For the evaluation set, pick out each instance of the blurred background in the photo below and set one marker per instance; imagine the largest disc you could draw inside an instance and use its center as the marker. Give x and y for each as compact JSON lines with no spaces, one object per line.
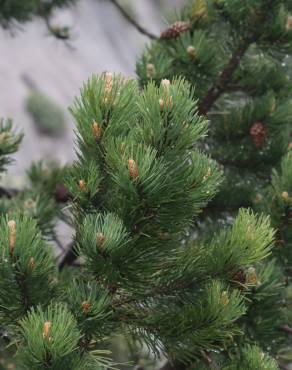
{"x":40,"y":75}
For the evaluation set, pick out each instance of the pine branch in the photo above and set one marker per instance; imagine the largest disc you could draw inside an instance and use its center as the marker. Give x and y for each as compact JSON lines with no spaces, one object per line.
{"x":220,"y":86}
{"x":225,"y":77}
{"x":133,"y":22}
{"x":287,"y":329}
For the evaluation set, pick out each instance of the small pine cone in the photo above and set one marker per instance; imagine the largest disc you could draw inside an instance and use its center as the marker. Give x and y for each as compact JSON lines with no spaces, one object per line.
{"x":133,"y":169}
{"x":175,"y":30}
{"x":258,"y":133}
{"x":85,"y":307}
{"x":240,"y":277}
{"x":96,"y":130}
{"x":61,"y":193}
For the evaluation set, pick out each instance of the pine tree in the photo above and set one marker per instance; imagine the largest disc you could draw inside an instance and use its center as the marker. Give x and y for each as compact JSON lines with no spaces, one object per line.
{"x":236,"y":55}
{"x":137,"y":186}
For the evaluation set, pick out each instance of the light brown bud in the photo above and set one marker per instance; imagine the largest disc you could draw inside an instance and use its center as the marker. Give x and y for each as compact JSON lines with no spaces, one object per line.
{"x":224,"y":299}
{"x":133,"y":169}
{"x":251,"y":276}
{"x":100,"y":238}
{"x":5,"y":136}
{"x":12,"y":235}
{"x":96,"y":130}
{"x":108,"y":78}
{"x":191,"y":50}
{"x":290,"y":146}
{"x":85,"y":307}
{"x":167,"y":103}
{"x":208,"y":174}
{"x":150,"y":70}
{"x":289,"y":23}
{"x":285,"y":196}
{"x":82,"y":185}
{"x":46,"y":331}
{"x":258,"y":198}
{"x":165,"y":84}
{"x":31,"y":264}
{"x":122,"y":148}
{"x":273,"y":106}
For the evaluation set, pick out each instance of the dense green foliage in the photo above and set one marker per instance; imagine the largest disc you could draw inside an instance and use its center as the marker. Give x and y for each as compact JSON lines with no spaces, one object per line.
{"x":137,"y":186}
{"x":236,"y":56}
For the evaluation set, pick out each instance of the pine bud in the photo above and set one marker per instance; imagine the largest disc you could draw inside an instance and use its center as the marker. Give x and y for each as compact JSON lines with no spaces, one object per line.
{"x":285,"y":196}
{"x":133,"y":169}
{"x":191,"y":50}
{"x":46,"y":331}
{"x":165,"y":84}
{"x":251,"y":276}
{"x":108,"y":79}
{"x":31,"y":264}
{"x":258,"y":198}
{"x":208,"y":174}
{"x":289,"y":23}
{"x":200,"y":10}
{"x":122,"y":148}
{"x":12,"y":235}
{"x":85,"y":307}
{"x":82,"y":185}
{"x":96,"y":130}
{"x":224,"y":298}
{"x":273,"y":106}
{"x":167,"y":103}
{"x":150,"y":69}
{"x":100,"y":238}
{"x":5,"y":137}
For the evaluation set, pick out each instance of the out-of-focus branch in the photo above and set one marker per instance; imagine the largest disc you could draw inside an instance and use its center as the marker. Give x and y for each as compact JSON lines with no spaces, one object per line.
{"x":133,"y":22}
{"x":287,"y":329}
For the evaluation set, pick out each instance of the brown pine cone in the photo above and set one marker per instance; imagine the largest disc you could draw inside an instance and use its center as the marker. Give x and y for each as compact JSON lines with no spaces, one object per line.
{"x":258,"y":133}
{"x":240,"y":277}
{"x":61,"y":193}
{"x":175,"y":30}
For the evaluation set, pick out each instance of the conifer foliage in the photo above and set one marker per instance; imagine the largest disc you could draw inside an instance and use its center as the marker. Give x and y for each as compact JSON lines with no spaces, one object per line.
{"x":236,"y":56}
{"x":137,"y":186}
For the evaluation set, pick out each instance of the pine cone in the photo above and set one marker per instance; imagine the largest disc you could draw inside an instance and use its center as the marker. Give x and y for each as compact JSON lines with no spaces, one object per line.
{"x":61,"y":194}
{"x":240,"y":277}
{"x":175,"y":30}
{"x":258,"y":133}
